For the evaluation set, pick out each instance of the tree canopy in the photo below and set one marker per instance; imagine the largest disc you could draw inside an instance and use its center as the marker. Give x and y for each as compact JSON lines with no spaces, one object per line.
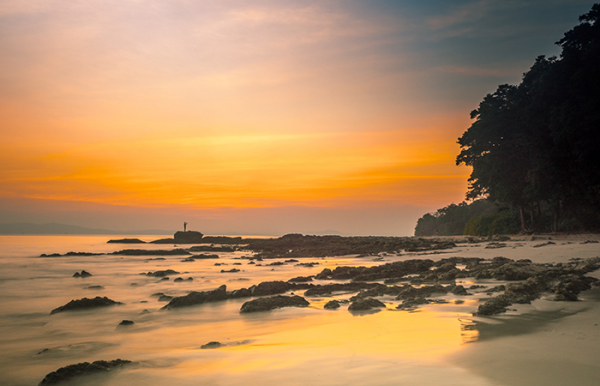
{"x":534,"y":146}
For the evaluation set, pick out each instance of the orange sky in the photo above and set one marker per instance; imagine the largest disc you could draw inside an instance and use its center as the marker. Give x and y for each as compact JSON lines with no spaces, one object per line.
{"x":232,"y":105}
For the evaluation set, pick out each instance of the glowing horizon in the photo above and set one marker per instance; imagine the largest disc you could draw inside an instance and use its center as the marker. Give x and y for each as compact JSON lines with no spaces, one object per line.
{"x":229,"y":105}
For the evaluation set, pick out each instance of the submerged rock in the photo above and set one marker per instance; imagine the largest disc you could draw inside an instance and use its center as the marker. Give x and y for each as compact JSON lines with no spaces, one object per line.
{"x":81,"y":369}
{"x":85,"y":303}
{"x":194,"y":298}
{"x":332,"y":305}
{"x":365,"y":304}
{"x":210,"y":345}
{"x":271,"y":303}
{"x":126,"y":323}
{"x":82,"y":274}
{"x":161,"y":273}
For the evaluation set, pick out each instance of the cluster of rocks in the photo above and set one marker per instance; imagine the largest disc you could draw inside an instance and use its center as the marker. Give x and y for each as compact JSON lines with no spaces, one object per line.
{"x":81,"y":369}
{"x":297,"y":245}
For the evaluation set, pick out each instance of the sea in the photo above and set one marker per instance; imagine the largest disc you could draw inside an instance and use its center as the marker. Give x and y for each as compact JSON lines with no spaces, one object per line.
{"x":288,"y":346}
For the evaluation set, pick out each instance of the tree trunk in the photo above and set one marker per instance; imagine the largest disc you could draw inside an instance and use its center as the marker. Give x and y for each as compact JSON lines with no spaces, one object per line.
{"x":522,"y":219}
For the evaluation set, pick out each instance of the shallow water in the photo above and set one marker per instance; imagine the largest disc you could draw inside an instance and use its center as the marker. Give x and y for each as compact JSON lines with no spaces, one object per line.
{"x":291,"y":346}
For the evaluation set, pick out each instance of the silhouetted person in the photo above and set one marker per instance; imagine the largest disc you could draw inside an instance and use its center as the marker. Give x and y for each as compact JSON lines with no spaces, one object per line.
{"x":184,"y":226}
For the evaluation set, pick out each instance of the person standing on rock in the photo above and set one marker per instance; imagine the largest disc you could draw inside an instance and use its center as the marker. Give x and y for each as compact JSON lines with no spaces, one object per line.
{"x":184,"y":226}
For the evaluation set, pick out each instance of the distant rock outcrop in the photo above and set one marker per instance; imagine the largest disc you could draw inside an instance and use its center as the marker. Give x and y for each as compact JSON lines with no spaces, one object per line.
{"x":126,"y":241}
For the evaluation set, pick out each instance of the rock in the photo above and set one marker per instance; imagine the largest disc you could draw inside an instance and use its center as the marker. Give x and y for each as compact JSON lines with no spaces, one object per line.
{"x":365,"y":304}
{"x":332,"y":305}
{"x":189,"y":237}
{"x":81,"y":369}
{"x":459,"y":290}
{"x":194,"y":298}
{"x":164,"y":279}
{"x":270,"y":288}
{"x":205,"y":256}
{"x":412,"y":303}
{"x":126,"y":323}
{"x":84,"y":304}
{"x":590,"y":242}
{"x":95,"y":287}
{"x":271,"y":303}
{"x":146,"y":252}
{"x":144,"y":312}
{"x":544,"y":244}
{"x":126,"y":241}
{"x":210,"y":345}
{"x":494,"y":306}
{"x":301,"y":279}
{"x":495,"y":245}
{"x":240,"y":293}
{"x":232,"y":270}
{"x":178,"y":279}
{"x":188,"y":260}
{"x":82,"y":274}
{"x":165,"y":298}
{"x":162,"y":273}
{"x":211,"y":248}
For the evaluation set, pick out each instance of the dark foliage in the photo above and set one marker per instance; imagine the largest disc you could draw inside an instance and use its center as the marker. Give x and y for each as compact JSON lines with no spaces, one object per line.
{"x":534,"y":146}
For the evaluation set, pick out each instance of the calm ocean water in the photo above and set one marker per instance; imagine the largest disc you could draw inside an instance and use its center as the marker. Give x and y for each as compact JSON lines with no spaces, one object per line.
{"x":289,"y":346}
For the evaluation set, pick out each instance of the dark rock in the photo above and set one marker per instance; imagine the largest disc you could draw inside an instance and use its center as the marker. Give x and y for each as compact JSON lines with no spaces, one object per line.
{"x":189,"y":237}
{"x":165,"y":298}
{"x":81,"y":369}
{"x":95,"y":287}
{"x":210,"y":345}
{"x":178,"y":279}
{"x":162,"y":273}
{"x":495,"y":245}
{"x":590,"y":242}
{"x":211,"y":248}
{"x":291,"y":261}
{"x":365,"y":304}
{"x":232,"y":270}
{"x":144,"y":312}
{"x":126,"y":241}
{"x":240,"y":293}
{"x":412,"y":303}
{"x":82,"y":274}
{"x":332,"y":305}
{"x":164,"y":279}
{"x":276,"y":263}
{"x":158,"y":252}
{"x":205,"y":256}
{"x":459,"y":290}
{"x":494,"y":306}
{"x":271,"y":303}
{"x":85,"y":303}
{"x":301,"y":279}
{"x":270,"y":288}
{"x":544,"y":244}
{"x":126,"y":323}
{"x":194,"y":298}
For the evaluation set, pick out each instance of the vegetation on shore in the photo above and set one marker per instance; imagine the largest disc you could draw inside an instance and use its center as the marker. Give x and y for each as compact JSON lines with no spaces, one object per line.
{"x":533,"y":147}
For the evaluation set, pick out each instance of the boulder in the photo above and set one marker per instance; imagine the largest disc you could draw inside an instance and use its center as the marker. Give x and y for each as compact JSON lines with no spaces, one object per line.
{"x":84,"y":304}
{"x":365,"y":304}
{"x":332,"y":305}
{"x":126,"y":323}
{"x":273,"y":302}
{"x":194,"y":298}
{"x":270,"y":288}
{"x":81,"y":369}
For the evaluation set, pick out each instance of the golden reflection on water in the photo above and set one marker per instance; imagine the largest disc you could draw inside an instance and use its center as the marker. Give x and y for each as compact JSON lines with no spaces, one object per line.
{"x":385,"y":336}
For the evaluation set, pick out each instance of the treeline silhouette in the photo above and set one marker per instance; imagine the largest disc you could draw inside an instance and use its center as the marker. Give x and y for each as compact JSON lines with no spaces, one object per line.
{"x":535,"y":147}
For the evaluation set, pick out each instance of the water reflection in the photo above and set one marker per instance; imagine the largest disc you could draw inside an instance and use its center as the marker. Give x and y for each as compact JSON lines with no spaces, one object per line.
{"x":290,"y":346}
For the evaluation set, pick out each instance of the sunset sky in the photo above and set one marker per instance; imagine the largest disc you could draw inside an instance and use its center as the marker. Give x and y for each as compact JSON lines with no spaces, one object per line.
{"x":251,"y":117}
